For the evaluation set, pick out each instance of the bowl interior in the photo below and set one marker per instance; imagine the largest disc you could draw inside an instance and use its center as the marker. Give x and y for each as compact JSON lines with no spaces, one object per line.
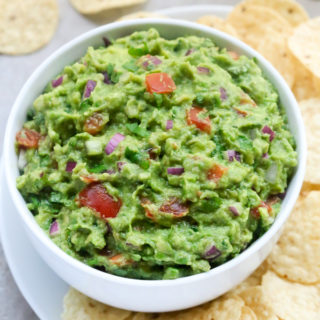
{"x":170,"y":29}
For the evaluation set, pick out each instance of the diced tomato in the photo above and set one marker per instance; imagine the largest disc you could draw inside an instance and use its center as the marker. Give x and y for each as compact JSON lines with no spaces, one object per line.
{"x":175,"y":207}
{"x":120,"y":260}
{"x":255,"y":211}
{"x":193,"y":118}
{"x":96,"y":197}
{"x":273,"y":200}
{"x":27,"y":138}
{"x":89,"y":179}
{"x":233,"y":55}
{"x":94,"y":124}
{"x":144,"y":203}
{"x":160,"y":83}
{"x":245,"y":99}
{"x":216,"y":173}
{"x":240,"y":112}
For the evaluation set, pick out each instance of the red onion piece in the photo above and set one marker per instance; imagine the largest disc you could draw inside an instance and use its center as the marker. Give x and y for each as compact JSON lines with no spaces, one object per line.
{"x":54,"y":228}
{"x":151,"y":59}
{"x":155,"y":60}
{"x":203,"y":70}
{"x":145,"y":64}
{"x":223,"y":94}
{"x":169,"y":124}
{"x":212,"y":253}
{"x":91,"y":84}
{"x":282,"y":195}
{"x":265,"y":155}
{"x":110,"y":171}
{"x":114,"y":141}
{"x":56,"y":83}
{"x":233,"y":155}
{"x":70,"y":166}
{"x":106,"y":79}
{"x":176,"y":171}
{"x":269,"y":131}
{"x":234,"y":210}
{"x":120,"y":165}
{"x":106,"y":41}
{"x":190,"y":51}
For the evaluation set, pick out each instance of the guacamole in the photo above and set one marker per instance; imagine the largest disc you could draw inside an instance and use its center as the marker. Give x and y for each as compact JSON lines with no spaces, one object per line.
{"x":156,"y":159}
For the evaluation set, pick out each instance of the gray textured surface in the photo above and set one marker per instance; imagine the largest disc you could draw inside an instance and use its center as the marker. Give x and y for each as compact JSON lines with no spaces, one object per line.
{"x":13,"y":73}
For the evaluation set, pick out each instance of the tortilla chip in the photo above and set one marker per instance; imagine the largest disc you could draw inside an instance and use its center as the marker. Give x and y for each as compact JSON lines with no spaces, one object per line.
{"x":200,"y":312}
{"x":77,"y":306}
{"x":96,"y":6}
{"x":26,"y":25}
{"x":254,"y":298}
{"x":254,"y":279}
{"x":307,"y":187}
{"x":218,"y":23}
{"x":141,"y":15}
{"x":289,"y":300}
{"x":297,"y":254}
{"x":253,"y":23}
{"x":143,"y":316}
{"x":275,"y":49}
{"x":227,"y":307}
{"x":306,"y":86}
{"x":311,"y":115}
{"x":290,"y":10}
{"x":305,"y":45}
{"x":248,"y":314}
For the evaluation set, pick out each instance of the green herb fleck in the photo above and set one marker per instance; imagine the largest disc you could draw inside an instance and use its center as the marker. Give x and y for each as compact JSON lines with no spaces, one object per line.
{"x":137,"y":158}
{"x":130,"y":66}
{"x":139,"y":51}
{"x":136,"y":129}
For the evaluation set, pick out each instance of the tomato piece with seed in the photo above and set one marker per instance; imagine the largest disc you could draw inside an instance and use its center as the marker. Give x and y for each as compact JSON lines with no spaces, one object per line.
{"x":240,"y":112}
{"x":193,"y":118}
{"x":255,"y":211}
{"x":175,"y":207}
{"x":95,"y":196}
{"x":94,"y":124}
{"x":160,"y":83}
{"x":216,"y":173}
{"x":246,"y":99}
{"x":89,"y":179}
{"x":233,"y":55}
{"x":144,"y":203}
{"x":120,"y":260}
{"x":27,"y":138}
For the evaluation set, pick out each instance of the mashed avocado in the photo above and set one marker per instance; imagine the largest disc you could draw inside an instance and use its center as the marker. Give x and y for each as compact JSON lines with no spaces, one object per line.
{"x":156,"y":159}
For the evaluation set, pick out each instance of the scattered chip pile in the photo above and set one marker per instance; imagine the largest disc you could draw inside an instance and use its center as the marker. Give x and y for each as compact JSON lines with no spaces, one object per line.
{"x":287,"y":285}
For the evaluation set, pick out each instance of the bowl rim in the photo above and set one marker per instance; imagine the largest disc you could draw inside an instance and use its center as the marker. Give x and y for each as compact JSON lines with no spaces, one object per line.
{"x":30,"y":222}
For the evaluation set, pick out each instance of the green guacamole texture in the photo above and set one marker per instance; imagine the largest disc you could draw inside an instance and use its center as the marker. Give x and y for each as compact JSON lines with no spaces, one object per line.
{"x":190,"y":199}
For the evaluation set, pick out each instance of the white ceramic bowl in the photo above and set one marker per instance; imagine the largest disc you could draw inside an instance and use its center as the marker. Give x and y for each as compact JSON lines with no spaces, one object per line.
{"x":147,"y":295}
